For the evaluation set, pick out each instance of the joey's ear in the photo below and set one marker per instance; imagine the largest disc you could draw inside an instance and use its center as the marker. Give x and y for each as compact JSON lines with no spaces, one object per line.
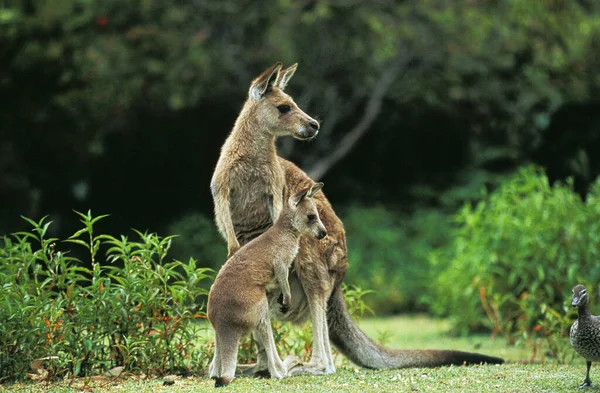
{"x":314,"y":189}
{"x":286,"y":75}
{"x":298,"y":197}
{"x":264,"y":81}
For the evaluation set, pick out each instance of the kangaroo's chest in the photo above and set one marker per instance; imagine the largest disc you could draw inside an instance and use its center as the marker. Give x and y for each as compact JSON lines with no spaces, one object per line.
{"x":252,"y":190}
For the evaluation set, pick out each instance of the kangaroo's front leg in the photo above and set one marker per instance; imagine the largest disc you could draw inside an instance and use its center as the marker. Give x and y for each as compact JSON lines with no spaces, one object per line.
{"x":275,"y":203}
{"x":281,"y":270}
{"x":264,"y":334}
{"x":223,"y":216}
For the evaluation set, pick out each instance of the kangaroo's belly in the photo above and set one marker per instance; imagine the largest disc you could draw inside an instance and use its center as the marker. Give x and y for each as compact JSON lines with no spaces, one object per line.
{"x":250,"y":217}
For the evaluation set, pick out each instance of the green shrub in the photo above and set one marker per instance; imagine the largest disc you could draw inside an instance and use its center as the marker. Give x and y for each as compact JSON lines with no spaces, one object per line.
{"x":515,"y":257}
{"x":132,"y":309}
{"x":389,"y":252}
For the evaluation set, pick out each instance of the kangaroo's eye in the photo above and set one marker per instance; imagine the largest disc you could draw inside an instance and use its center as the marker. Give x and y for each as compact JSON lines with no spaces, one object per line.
{"x":311,"y":217}
{"x":284,"y":108}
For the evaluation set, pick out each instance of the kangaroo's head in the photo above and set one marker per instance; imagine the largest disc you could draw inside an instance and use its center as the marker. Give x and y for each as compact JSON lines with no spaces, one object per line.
{"x":305,"y":217}
{"x":580,"y":296}
{"x":276,"y":111}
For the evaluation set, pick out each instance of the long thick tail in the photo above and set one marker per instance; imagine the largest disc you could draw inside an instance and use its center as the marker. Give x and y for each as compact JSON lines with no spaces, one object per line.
{"x":358,"y":348}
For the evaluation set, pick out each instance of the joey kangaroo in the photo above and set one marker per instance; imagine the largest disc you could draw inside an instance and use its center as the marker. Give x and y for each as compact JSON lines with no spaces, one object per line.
{"x":248,"y":185}
{"x":237,"y":301}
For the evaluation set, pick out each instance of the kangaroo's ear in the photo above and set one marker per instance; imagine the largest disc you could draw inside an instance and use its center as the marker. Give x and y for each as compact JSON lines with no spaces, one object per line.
{"x":286,"y":75}
{"x":314,"y":189}
{"x":265,"y":81}
{"x":298,"y":197}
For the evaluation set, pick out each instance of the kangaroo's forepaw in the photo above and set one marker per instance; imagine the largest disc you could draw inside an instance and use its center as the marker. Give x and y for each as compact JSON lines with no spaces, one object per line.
{"x":284,"y":301}
{"x":232,"y":250}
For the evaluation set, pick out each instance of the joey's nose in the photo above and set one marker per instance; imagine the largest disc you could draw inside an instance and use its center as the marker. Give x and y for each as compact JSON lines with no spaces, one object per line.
{"x":321,"y":234}
{"x":314,"y":125}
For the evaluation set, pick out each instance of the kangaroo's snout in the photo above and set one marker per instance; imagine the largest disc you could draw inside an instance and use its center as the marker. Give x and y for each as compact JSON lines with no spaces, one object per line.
{"x":308,"y":131}
{"x":306,"y":134}
{"x":321,"y":234}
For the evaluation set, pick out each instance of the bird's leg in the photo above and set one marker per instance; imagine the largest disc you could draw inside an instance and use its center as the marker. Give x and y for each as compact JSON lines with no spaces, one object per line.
{"x":587,"y":383}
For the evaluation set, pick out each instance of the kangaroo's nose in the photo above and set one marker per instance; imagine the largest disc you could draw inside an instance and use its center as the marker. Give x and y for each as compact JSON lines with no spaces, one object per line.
{"x":314,"y":125}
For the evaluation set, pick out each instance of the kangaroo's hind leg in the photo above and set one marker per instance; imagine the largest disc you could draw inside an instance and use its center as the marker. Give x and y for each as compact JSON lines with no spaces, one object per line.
{"x":264,"y":334}
{"x":212,"y":368}
{"x":261,"y":368}
{"x":222,"y":368}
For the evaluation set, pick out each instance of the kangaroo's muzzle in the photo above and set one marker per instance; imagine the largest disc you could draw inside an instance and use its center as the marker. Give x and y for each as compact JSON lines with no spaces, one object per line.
{"x":308,"y":132}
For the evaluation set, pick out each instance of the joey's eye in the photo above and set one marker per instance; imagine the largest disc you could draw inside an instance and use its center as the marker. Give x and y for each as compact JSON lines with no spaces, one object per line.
{"x":284,"y":108}
{"x":311,"y":217}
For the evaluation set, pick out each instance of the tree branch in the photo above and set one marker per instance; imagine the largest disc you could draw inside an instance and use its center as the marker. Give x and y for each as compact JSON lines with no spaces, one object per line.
{"x":372,"y":110}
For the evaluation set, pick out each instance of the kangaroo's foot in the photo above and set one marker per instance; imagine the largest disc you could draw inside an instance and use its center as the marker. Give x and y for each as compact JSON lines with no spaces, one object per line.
{"x":313,"y":368}
{"x":277,"y":373}
{"x":255,"y":370}
{"x":222,"y":381}
{"x":290,"y":362}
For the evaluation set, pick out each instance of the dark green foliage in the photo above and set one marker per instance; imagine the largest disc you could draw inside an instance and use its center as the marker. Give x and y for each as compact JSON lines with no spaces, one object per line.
{"x":197,"y":237}
{"x":133,"y":308}
{"x":120,"y":87}
{"x":388,"y":253}
{"x":516,"y":255}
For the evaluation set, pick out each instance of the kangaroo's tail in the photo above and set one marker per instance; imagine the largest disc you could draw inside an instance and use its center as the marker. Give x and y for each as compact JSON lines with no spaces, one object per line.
{"x":361,"y":350}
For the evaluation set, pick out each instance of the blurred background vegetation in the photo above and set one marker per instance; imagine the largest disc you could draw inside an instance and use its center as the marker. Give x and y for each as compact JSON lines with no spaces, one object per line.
{"x":430,"y":110}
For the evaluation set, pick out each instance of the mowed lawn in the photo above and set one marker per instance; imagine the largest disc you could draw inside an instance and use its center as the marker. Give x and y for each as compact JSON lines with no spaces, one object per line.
{"x":399,"y":332}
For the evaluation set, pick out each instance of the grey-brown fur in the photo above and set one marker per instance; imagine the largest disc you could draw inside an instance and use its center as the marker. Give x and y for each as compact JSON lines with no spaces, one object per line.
{"x":585,"y":331}
{"x":248,"y":156}
{"x":249,"y":166}
{"x":237,"y":301}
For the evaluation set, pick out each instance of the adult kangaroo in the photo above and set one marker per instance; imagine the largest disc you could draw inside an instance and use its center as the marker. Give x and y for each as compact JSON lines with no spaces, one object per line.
{"x":248,"y":186}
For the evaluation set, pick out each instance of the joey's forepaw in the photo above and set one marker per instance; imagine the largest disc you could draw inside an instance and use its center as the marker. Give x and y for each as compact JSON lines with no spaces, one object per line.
{"x":284,"y":301}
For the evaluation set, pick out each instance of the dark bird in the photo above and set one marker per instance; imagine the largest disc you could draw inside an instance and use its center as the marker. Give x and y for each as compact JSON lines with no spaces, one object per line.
{"x":585,"y":332}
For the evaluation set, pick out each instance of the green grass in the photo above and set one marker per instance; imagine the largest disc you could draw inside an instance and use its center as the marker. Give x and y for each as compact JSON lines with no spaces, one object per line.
{"x":421,"y":331}
{"x":402,"y":332}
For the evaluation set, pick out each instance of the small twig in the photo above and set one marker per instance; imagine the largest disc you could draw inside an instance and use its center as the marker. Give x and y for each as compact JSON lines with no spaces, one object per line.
{"x":372,"y":110}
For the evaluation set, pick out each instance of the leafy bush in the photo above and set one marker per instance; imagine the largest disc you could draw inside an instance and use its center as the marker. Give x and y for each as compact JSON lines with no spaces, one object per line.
{"x":87,"y":320}
{"x":132,"y":310}
{"x":389,"y":251}
{"x":515,"y":257}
